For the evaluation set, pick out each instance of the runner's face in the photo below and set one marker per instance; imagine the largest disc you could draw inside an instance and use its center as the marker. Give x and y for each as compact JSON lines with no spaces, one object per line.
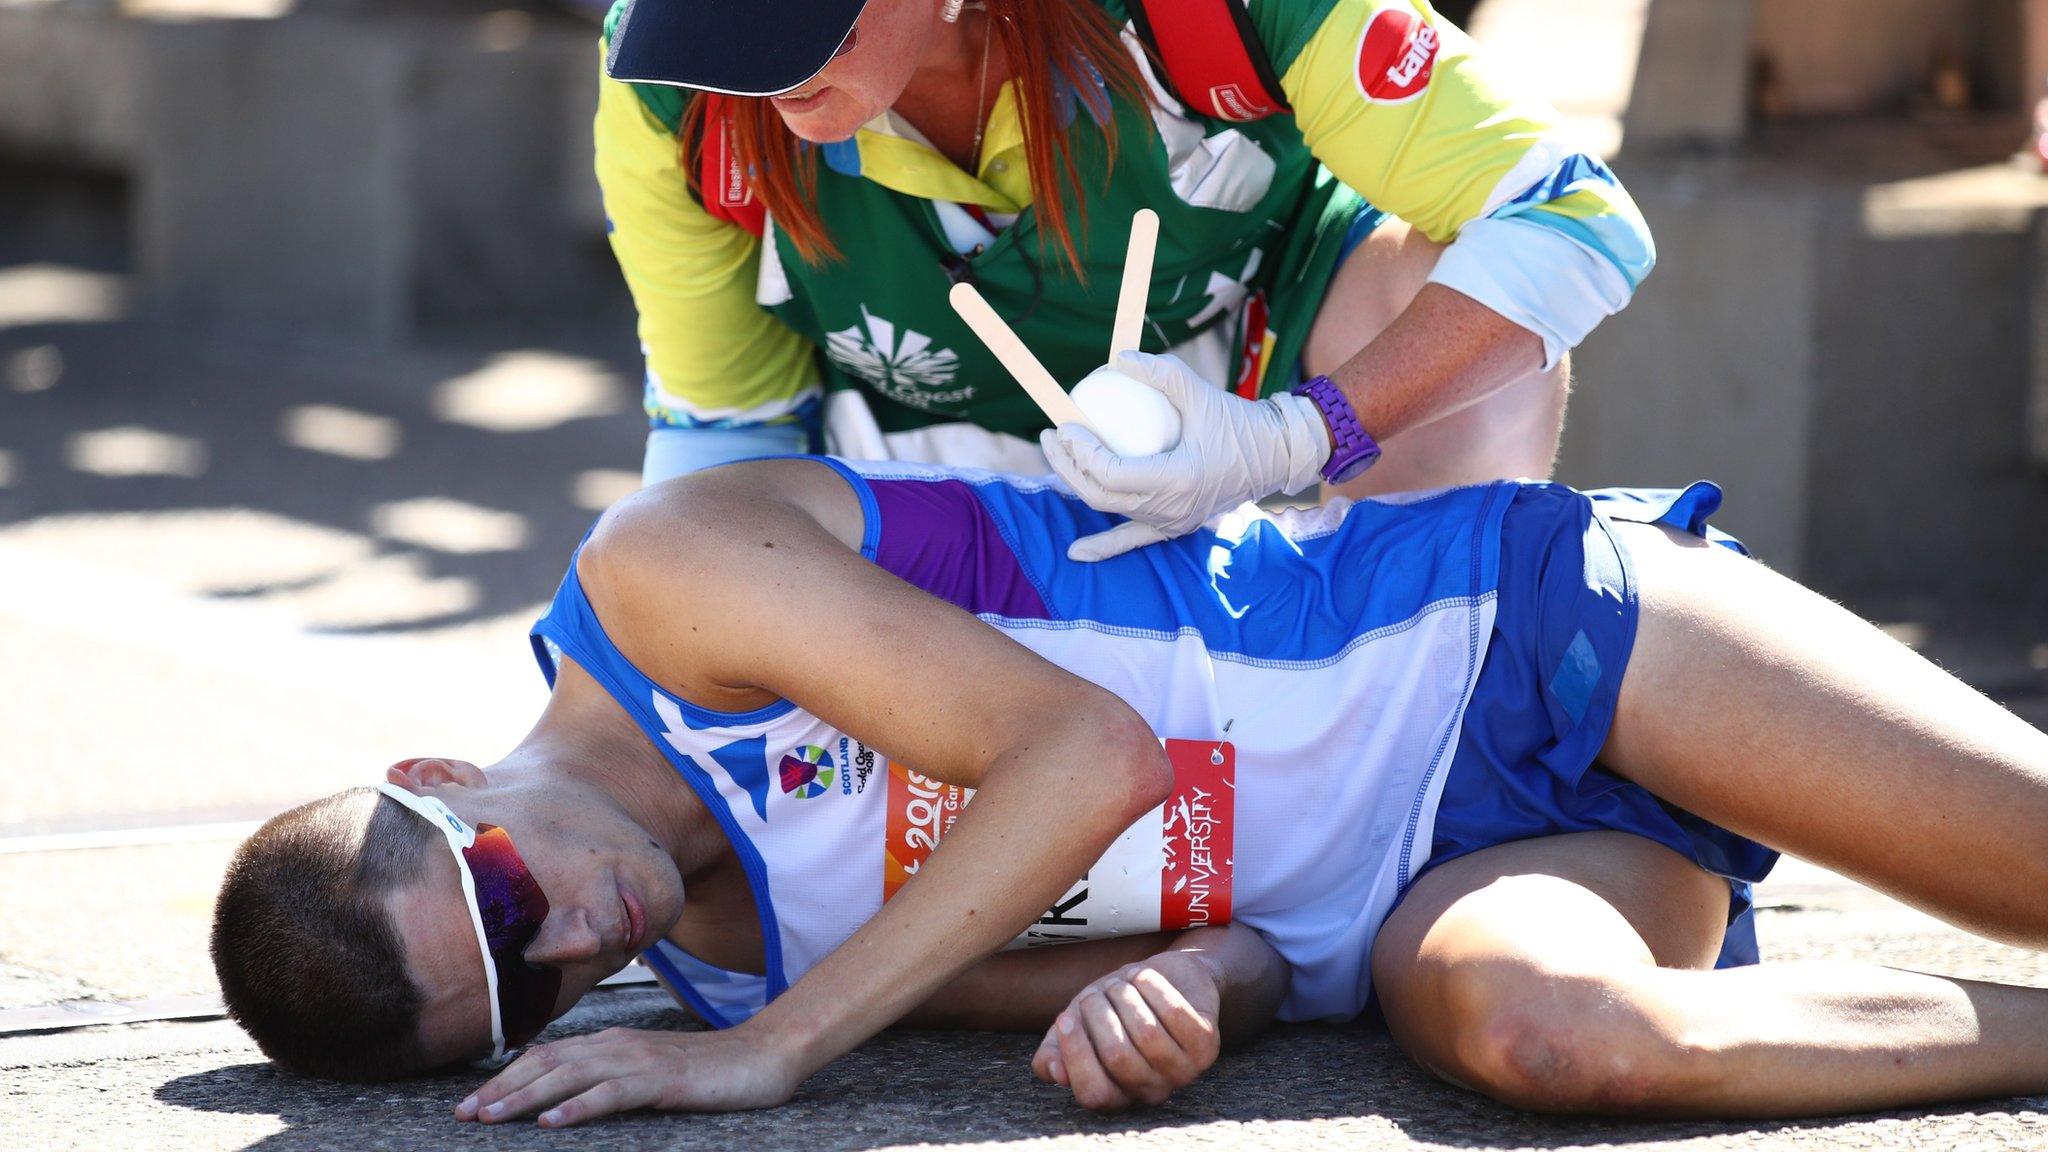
{"x":890,"y":40}
{"x":611,"y":893}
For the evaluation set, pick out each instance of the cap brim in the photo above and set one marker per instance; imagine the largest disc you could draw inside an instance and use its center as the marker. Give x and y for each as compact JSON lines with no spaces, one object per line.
{"x":737,"y":47}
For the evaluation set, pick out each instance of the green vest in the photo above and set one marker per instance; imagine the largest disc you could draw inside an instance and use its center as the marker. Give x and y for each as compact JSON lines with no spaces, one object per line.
{"x":879,"y":314}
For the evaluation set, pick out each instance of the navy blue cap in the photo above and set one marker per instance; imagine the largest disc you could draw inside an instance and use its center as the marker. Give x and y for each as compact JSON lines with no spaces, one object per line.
{"x":738,"y":47}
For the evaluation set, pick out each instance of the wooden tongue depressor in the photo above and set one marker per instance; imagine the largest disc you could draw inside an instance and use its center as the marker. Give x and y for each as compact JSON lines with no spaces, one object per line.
{"x":1003,"y":342}
{"x":1130,"y":303}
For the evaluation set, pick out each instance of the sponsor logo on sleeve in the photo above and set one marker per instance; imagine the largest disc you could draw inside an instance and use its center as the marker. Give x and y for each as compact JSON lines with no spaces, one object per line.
{"x":1397,"y":56}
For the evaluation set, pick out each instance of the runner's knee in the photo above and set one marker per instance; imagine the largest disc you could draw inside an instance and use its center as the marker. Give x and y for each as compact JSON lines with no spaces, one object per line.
{"x":1557,"y":1041}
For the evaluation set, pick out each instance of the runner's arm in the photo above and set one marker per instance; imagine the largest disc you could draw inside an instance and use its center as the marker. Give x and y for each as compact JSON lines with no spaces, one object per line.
{"x":780,"y":608}
{"x":1150,"y":1028}
{"x":1023,"y":990}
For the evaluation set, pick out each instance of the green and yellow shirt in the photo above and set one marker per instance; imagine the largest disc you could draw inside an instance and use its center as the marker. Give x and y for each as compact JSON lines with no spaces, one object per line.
{"x":1391,"y":105}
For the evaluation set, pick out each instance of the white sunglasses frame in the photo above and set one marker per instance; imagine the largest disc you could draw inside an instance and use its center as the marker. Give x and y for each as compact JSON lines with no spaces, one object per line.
{"x":460,"y":835}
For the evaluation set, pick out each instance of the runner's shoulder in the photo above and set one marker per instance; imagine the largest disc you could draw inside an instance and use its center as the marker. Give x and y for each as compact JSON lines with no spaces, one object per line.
{"x":710,"y":506}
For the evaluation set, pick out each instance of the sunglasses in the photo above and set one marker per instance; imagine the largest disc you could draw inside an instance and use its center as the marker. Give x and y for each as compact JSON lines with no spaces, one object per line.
{"x":507,"y":908}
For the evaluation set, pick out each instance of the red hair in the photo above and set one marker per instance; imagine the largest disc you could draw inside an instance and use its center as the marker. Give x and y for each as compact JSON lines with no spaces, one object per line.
{"x":1067,"y":40}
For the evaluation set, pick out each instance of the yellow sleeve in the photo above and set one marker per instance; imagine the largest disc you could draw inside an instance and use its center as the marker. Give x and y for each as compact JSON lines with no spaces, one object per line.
{"x":1400,"y":105}
{"x":713,"y":354}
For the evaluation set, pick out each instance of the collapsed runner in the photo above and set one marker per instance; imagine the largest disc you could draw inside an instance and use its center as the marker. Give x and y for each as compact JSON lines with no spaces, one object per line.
{"x":1272,"y":769}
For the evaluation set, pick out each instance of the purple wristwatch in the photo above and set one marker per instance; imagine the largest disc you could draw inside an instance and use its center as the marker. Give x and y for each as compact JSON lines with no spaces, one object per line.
{"x":1352,"y":448}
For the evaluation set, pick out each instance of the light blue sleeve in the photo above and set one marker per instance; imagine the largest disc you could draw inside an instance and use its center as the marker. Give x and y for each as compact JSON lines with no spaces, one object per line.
{"x":1556,"y":254}
{"x":673,"y":452}
{"x":1542,"y":279}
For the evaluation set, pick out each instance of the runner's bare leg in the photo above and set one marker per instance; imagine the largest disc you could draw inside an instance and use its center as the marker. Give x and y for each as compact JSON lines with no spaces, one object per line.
{"x":1565,"y":974}
{"x":1766,"y":708}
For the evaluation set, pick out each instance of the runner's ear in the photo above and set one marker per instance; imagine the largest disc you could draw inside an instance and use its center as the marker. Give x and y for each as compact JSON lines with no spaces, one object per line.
{"x":432,"y":772}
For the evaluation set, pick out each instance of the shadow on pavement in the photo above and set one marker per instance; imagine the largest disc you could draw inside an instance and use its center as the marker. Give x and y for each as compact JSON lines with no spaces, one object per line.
{"x":945,"y":1088}
{"x":454,"y":480}
{"x":145,"y":421}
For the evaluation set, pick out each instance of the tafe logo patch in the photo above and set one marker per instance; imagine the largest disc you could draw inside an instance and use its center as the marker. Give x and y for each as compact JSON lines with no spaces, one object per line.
{"x":1397,"y":56}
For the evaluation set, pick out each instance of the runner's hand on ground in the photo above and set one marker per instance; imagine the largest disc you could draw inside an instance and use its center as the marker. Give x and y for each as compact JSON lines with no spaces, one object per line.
{"x":1136,"y":1035}
{"x":1231,"y":450}
{"x":621,"y":1069}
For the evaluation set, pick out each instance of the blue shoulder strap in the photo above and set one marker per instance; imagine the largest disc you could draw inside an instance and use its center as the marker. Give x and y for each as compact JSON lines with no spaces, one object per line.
{"x":570,"y":627}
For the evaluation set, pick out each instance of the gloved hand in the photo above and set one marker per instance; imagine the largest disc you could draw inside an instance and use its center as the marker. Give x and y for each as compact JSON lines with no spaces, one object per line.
{"x":1231,"y":450}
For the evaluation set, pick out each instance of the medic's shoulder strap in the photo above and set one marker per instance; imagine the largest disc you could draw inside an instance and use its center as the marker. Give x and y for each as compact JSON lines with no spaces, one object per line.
{"x":721,"y":182}
{"x":1212,"y":57}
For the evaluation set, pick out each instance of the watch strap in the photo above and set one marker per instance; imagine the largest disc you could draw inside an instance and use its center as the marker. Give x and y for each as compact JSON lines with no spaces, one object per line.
{"x":1352,"y":448}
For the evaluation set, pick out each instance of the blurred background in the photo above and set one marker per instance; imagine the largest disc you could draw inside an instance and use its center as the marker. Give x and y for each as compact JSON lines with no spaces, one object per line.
{"x":314,"y":365}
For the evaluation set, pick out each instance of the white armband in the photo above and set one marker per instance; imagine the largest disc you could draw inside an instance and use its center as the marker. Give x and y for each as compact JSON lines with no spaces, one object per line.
{"x":1537,"y":277}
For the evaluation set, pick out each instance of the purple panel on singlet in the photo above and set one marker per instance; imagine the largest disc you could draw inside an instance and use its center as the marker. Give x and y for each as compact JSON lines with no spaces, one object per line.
{"x":937,"y":535}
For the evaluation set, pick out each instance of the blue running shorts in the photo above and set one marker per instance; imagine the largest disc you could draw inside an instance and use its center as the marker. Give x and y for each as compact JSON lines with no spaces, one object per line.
{"x":1526,"y":765}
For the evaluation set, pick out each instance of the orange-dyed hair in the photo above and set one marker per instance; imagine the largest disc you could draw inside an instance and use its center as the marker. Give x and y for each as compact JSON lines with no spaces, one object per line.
{"x":1072,"y":39}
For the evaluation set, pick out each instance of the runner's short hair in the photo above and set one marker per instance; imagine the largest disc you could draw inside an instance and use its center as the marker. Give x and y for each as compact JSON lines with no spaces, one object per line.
{"x":309,"y":960}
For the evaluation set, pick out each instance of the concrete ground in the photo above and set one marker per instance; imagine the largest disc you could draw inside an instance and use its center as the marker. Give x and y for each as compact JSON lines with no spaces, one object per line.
{"x":237,"y":572}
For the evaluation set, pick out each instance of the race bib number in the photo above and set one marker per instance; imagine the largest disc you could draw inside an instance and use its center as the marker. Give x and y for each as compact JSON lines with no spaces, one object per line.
{"x":1170,"y":870}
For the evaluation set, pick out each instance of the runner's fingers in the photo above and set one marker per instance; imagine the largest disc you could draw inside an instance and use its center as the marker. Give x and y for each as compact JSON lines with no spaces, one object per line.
{"x":1151,"y":1039}
{"x":1045,"y":1063}
{"x":1193,"y":1030}
{"x":531,"y":1065}
{"x":557,"y":1085}
{"x":1133,"y":1074}
{"x":1091,"y":1084}
{"x":621,"y":1095}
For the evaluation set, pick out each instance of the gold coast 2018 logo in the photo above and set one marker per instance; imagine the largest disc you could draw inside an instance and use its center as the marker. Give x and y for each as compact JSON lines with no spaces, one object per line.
{"x":900,"y":363}
{"x":807,"y":772}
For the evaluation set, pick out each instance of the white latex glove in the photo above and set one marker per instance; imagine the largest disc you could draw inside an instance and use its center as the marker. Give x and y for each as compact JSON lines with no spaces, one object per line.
{"x":1231,"y":450}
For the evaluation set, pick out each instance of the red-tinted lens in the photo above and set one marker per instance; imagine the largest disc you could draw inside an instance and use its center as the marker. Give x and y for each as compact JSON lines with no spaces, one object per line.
{"x":526,"y":997}
{"x":513,"y":908}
